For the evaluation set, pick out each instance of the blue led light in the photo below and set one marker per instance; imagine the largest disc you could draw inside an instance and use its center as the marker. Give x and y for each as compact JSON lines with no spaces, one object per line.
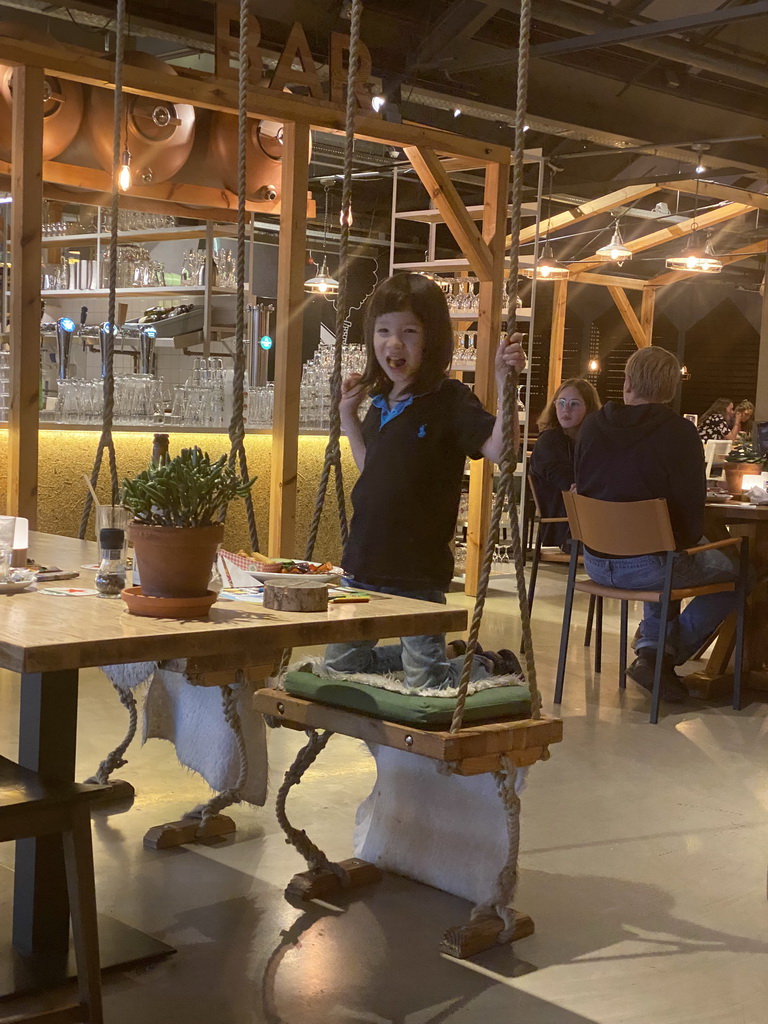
{"x":266,"y":343}
{"x":106,"y":327}
{"x":151,"y":332}
{"x":66,"y":324}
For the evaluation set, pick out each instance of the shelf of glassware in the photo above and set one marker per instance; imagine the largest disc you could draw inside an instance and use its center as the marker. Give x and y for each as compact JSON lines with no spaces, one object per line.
{"x":165,"y":428}
{"x":475,"y":212}
{"x":165,"y":291}
{"x":470,"y":316}
{"x":177,"y":234}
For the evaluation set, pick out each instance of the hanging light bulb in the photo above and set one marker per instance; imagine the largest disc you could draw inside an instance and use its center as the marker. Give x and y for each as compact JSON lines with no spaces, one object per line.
{"x":696,"y":259}
{"x":124,"y":177}
{"x":345,"y":216}
{"x":547,"y":268}
{"x":615,"y":249}
{"x":377,"y":102}
{"x":322,"y":283}
{"x":594,"y":366}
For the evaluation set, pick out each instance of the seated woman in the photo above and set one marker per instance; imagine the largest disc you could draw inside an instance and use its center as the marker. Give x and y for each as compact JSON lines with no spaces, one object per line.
{"x":745,"y":417}
{"x":552,"y":460}
{"x":720,"y":422}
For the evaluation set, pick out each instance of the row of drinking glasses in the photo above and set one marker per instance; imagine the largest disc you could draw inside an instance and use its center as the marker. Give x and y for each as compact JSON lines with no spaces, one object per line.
{"x":260,"y":407}
{"x":139,"y":399}
{"x":465,"y":350}
{"x":5,"y":384}
{"x":128,"y":220}
{"x":198,"y":405}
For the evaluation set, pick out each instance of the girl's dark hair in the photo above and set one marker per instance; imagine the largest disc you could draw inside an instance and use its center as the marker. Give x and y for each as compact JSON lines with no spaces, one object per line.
{"x":410,"y":293}
{"x":548,"y":419}
{"x":719,"y":407}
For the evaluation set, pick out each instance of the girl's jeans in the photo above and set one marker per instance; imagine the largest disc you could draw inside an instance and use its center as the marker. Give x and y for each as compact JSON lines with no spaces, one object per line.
{"x":422,"y":658}
{"x":686,"y":631}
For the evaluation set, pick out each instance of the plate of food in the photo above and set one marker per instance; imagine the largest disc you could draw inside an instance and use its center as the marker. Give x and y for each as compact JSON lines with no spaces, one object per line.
{"x":263,"y":568}
{"x":16,"y":581}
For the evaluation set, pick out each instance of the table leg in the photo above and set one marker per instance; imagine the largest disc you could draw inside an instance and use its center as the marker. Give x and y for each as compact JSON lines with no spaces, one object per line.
{"x":47,"y":743}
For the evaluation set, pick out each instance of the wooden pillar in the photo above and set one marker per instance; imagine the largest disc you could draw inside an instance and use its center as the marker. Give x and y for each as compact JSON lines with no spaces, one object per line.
{"x":488,"y":334}
{"x":289,"y":331}
{"x":26,"y":234}
{"x":761,"y":402}
{"x":557,"y":335}
{"x":647,"y":308}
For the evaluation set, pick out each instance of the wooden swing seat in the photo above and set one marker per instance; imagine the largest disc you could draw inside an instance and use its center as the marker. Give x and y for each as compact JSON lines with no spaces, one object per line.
{"x":474,"y":750}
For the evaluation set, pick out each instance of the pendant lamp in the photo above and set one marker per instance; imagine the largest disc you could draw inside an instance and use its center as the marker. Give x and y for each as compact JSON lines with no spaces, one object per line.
{"x":547,"y":268}
{"x":696,"y":259}
{"x":323,"y":283}
{"x":615,"y":249}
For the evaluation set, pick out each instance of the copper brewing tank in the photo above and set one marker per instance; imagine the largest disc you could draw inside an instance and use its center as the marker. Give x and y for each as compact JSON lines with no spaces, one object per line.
{"x":264,"y":153}
{"x":159,"y":134}
{"x":62,"y":113}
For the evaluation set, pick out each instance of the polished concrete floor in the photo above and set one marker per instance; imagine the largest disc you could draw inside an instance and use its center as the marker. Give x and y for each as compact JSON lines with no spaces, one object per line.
{"x":643,"y":864}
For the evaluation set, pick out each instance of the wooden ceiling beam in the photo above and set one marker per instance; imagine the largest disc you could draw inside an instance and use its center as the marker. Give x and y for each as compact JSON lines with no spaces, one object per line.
{"x":621,"y":197}
{"x":629,"y":317}
{"x":443,"y":194}
{"x":714,"y":190}
{"x":636,"y":284}
{"x":80,"y":65}
{"x":650,"y":241}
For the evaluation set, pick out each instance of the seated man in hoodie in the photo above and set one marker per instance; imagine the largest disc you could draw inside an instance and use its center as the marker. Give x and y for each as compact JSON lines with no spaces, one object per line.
{"x":639,"y":450}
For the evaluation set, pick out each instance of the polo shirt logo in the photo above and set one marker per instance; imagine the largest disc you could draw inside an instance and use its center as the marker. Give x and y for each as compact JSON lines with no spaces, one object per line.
{"x":422,"y":432}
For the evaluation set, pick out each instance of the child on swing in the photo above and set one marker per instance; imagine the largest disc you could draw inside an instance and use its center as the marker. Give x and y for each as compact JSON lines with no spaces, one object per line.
{"x":410,"y":449}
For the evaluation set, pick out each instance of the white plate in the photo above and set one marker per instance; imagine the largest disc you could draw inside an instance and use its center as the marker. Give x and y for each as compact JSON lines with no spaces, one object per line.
{"x":15,"y":588}
{"x":323,"y":577}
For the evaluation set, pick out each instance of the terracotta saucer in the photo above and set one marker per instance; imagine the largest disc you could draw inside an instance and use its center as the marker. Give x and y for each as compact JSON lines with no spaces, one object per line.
{"x":167,"y":607}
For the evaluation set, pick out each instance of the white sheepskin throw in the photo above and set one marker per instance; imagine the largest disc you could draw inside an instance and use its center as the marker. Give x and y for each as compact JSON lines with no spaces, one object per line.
{"x":192,"y":718}
{"x":447,"y":831}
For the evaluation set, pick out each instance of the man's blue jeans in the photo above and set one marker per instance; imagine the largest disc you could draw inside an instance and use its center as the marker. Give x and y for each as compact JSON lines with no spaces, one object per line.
{"x":686,"y":631}
{"x":422,"y":658}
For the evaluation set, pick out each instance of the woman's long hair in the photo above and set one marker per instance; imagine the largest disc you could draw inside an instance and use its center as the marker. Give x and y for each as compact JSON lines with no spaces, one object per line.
{"x":410,"y":293}
{"x":548,"y":419}
{"x":719,"y":407}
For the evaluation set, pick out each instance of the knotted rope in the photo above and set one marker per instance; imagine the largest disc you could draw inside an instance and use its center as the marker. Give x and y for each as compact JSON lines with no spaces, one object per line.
{"x":505,"y":491}
{"x":298,"y":838}
{"x":230,"y":696}
{"x":116,"y":758}
{"x":106,"y":441}
{"x":332,"y":459}
{"x":236,"y":425}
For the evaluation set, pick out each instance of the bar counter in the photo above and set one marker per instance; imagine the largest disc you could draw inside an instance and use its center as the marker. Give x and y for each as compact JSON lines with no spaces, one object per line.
{"x":66,"y":453}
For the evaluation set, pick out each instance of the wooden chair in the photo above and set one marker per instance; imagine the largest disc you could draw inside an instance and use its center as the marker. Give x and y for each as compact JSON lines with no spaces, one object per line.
{"x":31,"y":807}
{"x":561,"y":558}
{"x":634,"y":528}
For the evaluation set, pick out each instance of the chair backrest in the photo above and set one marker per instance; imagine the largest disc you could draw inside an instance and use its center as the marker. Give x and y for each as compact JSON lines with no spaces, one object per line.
{"x":534,"y":495}
{"x":620,"y":528}
{"x":714,"y":452}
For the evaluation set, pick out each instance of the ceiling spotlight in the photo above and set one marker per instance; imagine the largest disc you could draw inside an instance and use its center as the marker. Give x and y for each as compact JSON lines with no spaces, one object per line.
{"x":662,"y":209}
{"x":684,"y":372}
{"x":615,"y":249}
{"x":526,"y":127}
{"x":594,"y":366}
{"x":696,"y":259}
{"x":700,"y":168}
{"x":698,"y":150}
{"x":456,"y":112}
{"x":377,"y":102}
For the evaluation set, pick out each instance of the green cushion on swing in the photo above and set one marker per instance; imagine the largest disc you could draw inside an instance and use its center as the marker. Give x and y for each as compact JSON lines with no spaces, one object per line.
{"x":410,"y":708}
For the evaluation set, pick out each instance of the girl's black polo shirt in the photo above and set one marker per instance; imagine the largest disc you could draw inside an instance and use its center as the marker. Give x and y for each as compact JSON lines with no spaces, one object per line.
{"x":406,"y":500}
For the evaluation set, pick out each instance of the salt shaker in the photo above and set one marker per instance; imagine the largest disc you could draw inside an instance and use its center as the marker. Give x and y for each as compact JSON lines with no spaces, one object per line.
{"x":110,"y":578}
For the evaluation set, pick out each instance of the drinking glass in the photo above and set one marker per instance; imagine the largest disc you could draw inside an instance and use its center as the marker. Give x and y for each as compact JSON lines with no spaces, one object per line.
{"x":113,"y":517}
{"x":7,"y":530}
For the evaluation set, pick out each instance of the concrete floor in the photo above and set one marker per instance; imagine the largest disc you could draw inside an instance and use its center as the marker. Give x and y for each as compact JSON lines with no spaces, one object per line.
{"x":643,"y":865}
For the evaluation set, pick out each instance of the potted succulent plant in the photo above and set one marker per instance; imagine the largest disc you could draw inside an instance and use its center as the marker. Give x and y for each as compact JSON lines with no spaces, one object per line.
{"x":743,"y":458}
{"x":178,"y":510}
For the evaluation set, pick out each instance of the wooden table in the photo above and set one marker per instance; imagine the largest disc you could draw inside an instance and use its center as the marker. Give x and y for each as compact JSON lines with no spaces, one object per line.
{"x":715,"y":680}
{"x":48,"y":639}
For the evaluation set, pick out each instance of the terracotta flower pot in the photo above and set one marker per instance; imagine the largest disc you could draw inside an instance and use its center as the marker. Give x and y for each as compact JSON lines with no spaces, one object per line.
{"x":735,"y":473}
{"x":175,"y":562}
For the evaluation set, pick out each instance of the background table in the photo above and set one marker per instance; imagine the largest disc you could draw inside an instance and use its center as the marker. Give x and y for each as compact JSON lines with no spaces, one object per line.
{"x":721,"y":521}
{"x":48,"y":639}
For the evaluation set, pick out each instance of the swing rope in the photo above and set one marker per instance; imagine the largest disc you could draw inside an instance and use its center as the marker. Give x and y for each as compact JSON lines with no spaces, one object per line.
{"x":236,"y":426}
{"x":333,"y":449}
{"x":505,"y":491}
{"x":106,"y":441}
